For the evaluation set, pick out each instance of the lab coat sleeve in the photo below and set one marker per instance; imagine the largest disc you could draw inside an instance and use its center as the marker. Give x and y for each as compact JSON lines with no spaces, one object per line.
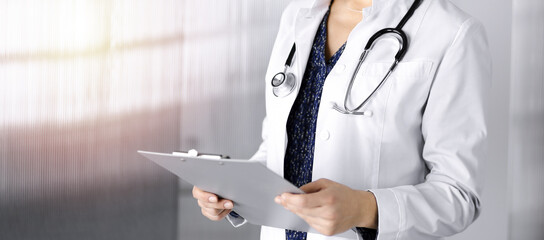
{"x":454,"y":133}
{"x":260,"y":155}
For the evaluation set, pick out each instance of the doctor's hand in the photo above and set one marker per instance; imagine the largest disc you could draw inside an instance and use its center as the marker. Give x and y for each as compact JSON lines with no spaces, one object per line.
{"x":332,"y":208}
{"x":212,"y":207}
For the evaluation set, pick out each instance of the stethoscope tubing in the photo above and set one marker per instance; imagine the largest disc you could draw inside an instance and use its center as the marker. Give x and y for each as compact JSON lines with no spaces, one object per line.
{"x":397,"y":32}
{"x":355,"y":110}
{"x":402,"y":39}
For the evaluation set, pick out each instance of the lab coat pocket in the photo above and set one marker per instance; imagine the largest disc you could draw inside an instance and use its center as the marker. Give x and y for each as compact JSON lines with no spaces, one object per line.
{"x":367,"y":81}
{"x":410,"y":84}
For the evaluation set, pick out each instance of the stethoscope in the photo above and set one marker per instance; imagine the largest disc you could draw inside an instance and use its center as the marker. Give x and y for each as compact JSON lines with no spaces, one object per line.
{"x":283,"y":83}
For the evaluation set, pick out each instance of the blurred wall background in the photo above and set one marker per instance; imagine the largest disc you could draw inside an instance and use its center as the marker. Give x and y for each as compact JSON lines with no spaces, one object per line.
{"x":227,"y":44}
{"x":84,"y":84}
{"x":526,"y":126}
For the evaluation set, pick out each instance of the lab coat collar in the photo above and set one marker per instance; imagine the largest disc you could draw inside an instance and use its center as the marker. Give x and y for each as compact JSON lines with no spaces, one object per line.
{"x":318,"y":5}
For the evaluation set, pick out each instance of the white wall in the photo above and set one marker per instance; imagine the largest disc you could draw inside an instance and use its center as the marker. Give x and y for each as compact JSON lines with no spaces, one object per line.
{"x":83,"y":85}
{"x":526,"y":151}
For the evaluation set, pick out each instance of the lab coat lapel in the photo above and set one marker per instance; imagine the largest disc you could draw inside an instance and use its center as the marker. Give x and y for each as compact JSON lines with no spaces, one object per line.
{"x":306,"y":24}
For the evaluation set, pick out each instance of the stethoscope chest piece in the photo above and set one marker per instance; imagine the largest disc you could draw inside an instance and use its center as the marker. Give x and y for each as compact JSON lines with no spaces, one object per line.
{"x":283,"y":84}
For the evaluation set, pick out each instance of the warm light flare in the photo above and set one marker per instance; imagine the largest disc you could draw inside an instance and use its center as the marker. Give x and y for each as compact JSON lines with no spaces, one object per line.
{"x":63,"y":61}
{"x":37,"y":26}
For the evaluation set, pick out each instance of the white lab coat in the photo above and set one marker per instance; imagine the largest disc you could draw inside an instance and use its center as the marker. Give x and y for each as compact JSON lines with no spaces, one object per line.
{"x":419,"y":147}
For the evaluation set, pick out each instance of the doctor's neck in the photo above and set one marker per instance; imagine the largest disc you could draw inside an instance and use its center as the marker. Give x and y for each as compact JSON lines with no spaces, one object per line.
{"x":354,"y":5}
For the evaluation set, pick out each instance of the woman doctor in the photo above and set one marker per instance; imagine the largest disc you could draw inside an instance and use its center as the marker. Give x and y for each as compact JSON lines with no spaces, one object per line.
{"x":404,"y":165}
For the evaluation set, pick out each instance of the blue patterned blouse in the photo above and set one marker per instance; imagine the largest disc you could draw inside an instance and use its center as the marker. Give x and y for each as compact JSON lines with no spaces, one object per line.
{"x":301,"y":124}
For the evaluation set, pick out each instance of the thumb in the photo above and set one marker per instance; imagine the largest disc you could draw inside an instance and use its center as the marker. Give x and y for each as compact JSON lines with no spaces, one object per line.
{"x":315,"y":186}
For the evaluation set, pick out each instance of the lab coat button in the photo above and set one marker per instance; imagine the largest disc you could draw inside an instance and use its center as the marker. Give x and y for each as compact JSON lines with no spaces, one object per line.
{"x":340,"y":68}
{"x":325,"y":135}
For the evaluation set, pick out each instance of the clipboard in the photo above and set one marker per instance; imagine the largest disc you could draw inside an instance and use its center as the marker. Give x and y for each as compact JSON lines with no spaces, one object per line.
{"x":249,"y":184}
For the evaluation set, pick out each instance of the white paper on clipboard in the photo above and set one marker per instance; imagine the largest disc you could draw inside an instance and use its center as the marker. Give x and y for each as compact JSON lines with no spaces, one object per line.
{"x":249,"y":184}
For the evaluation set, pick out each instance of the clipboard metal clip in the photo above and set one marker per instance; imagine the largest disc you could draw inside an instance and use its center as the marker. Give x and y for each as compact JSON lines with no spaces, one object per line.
{"x":195,"y":153}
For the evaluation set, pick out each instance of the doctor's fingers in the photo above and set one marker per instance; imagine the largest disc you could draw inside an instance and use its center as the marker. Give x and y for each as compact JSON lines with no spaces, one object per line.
{"x":215,"y":214}
{"x":308,"y":200}
{"x":222,"y":204}
{"x":325,"y":211}
{"x":211,"y":211}
{"x":211,"y":200}
{"x":324,"y":226}
{"x":316,"y":186}
{"x":202,"y":195}
{"x":316,"y":212}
